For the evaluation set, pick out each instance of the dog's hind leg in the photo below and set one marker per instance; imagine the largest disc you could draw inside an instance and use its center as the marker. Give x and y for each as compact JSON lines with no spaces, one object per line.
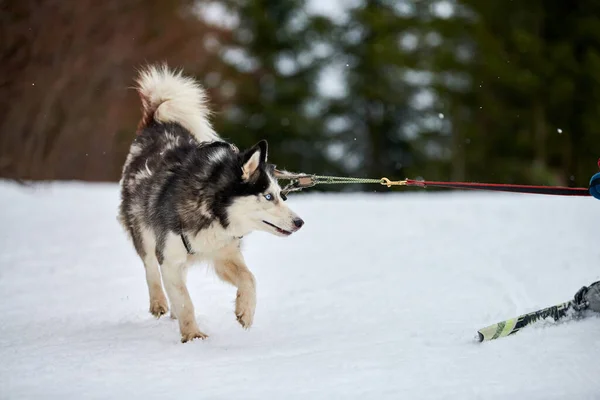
{"x":158,"y":300}
{"x":231,"y":267}
{"x":181,"y":303}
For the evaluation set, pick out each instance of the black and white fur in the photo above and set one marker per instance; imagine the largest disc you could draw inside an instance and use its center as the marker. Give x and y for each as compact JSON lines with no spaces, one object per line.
{"x":188,"y":196}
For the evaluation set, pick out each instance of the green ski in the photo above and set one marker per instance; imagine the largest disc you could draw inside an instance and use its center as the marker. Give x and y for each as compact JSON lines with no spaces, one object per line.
{"x":586,"y":298}
{"x":513,"y":325}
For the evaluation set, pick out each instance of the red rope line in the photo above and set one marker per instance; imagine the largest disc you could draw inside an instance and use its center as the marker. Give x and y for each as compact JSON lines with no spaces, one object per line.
{"x":550,"y":190}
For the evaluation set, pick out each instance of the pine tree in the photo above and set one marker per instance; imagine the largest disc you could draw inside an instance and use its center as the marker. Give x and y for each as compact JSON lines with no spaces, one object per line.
{"x":270,"y":76}
{"x":527,"y":112}
{"x":369,"y":122}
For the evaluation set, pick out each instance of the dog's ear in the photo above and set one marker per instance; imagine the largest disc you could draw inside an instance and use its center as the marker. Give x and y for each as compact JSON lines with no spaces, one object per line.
{"x":253,"y":158}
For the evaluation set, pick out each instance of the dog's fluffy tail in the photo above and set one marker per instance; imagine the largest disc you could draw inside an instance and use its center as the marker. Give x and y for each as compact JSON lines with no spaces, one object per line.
{"x":168,"y":96}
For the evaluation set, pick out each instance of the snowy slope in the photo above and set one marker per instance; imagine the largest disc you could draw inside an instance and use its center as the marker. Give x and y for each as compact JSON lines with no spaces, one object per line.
{"x":378,"y":297}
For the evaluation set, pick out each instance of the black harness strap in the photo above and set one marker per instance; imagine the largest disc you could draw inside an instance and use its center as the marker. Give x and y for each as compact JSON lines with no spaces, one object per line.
{"x":186,"y":243}
{"x":184,"y":239}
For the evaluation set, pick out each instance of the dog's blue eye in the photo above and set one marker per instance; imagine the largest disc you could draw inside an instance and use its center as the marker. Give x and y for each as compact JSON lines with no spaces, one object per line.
{"x":269,"y":196}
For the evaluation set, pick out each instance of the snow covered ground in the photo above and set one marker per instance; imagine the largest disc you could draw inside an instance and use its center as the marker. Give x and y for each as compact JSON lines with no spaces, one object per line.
{"x":379,"y":296}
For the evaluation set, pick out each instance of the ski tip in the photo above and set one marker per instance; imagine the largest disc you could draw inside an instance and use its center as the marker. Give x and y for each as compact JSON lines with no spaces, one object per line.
{"x":479,"y":337}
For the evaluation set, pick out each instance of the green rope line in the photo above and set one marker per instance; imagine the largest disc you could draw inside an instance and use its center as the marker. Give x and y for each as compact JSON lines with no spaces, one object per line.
{"x":320,"y":179}
{"x":303,"y":181}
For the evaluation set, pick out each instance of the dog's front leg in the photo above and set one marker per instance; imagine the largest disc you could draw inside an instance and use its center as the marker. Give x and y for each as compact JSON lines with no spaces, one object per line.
{"x":230,"y":267}
{"x":181,"y":303}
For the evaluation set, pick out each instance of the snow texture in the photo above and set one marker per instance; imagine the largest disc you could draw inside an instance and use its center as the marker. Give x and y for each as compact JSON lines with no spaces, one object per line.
{"x":379,"y":296}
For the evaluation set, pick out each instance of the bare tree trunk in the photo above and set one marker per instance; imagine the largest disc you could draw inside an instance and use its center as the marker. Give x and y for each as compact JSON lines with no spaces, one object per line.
{"x":540,"y":133}
{"x":459,"y":158}
{"x":66,"y":71}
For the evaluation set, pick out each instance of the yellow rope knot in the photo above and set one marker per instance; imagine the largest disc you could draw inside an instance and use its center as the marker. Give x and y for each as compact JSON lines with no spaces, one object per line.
{"x":388,"y":183}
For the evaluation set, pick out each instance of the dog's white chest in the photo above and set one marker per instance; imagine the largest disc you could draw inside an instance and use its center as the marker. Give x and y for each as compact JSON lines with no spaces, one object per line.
{"x":209,"y":241}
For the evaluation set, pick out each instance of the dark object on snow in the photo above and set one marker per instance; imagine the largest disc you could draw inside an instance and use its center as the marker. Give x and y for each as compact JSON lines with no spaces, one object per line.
{"x":595,"y":184}
{"x":586,"y":298}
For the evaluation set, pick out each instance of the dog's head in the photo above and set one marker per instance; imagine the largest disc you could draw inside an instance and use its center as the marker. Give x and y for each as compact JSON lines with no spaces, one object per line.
{"x":258,"y":204}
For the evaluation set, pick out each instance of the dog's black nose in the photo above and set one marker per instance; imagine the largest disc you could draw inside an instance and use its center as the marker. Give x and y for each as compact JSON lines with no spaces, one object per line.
{"x":298,"y":223}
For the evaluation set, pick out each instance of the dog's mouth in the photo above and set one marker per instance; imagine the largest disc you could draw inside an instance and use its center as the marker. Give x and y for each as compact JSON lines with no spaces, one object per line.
{"x":278,"y":229}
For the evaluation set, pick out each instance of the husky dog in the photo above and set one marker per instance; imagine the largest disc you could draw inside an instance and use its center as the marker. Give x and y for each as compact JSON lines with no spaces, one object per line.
{"x":188,"y":196}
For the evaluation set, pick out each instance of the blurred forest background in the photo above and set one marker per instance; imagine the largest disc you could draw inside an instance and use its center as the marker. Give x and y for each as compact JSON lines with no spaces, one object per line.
{"x":493,"y":91}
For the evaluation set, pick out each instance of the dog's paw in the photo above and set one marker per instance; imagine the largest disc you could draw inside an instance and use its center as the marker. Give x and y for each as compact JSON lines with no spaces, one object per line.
{"x":186,"y":337}
{"x":245,"y":320}
{"x":244,"y":310}
{"x":158,"y":308}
